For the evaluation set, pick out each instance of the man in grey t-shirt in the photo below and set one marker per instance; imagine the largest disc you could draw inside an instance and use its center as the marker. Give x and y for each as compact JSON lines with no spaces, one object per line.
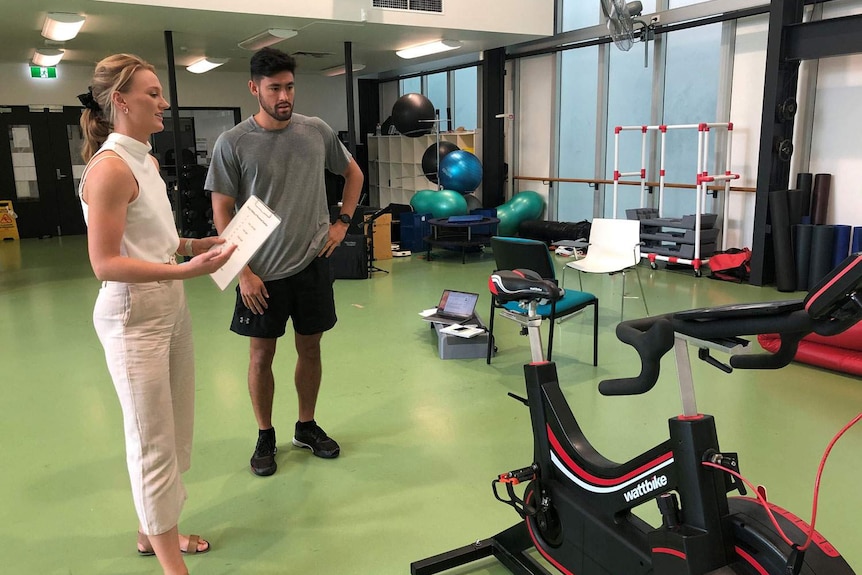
{"x":280,"y":157}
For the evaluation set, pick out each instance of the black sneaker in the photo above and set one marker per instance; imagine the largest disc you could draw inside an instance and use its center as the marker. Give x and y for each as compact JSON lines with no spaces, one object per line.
{"x":263,"y":459}
{"x":310,"y":436}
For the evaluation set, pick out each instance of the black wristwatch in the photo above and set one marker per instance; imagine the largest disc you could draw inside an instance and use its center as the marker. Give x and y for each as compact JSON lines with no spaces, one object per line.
{"x":345,"y":219}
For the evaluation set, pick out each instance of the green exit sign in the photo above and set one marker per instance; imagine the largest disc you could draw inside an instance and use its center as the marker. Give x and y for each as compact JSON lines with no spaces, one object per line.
{"x":40,"y":72}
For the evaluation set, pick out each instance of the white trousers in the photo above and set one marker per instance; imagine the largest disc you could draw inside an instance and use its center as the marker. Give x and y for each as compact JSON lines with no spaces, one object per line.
{"x":146,"y":331}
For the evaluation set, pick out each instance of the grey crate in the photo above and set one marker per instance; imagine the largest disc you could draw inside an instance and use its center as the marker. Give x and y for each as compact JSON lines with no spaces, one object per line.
{"x":454,"y":347}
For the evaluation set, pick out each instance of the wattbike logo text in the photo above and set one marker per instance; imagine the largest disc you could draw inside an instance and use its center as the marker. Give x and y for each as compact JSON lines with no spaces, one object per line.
{"x":645,"y":487}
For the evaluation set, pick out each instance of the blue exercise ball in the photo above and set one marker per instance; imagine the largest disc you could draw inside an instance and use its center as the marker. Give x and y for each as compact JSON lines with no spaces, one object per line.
{"x":430,"y":158}
{"x":413,"y":115}
{"x":460,"y":171}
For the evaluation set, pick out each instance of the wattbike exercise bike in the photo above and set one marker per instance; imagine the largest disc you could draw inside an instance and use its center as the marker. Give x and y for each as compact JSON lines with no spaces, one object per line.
{"x":577,"y":506}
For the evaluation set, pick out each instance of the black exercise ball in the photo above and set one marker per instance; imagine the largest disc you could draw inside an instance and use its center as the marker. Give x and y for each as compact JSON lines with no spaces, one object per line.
{"x":413,"y":115}
{"x":429,"y":158}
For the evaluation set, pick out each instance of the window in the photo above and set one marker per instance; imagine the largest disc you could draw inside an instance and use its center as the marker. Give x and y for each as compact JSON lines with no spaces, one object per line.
{"x":438,"y":93}
{"x":629,"y":104}
{"x":410,"y":86}
{"x":690,"y":97}
{"x":466,"y":92}
{"x":453,"y":93}
{"x":578,"y":105}
{"x":579,"y":14}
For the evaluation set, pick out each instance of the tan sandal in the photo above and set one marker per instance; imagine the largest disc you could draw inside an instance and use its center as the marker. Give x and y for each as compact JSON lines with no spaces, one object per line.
{"x":146,"y":550}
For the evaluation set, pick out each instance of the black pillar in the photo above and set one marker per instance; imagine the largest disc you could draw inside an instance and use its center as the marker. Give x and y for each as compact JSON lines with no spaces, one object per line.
{"x":175,"y":126}
{"x":351,"y":106}
{"x":776,"y":133}
{"x":493,"y":151}
{"x":369,"y":117}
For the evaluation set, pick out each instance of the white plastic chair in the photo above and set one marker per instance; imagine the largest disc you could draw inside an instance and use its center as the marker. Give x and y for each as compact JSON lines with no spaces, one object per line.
{"x":613,"y":247}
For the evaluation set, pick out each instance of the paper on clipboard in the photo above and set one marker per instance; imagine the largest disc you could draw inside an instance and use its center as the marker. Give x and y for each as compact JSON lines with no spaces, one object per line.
{"x":248,"y":229}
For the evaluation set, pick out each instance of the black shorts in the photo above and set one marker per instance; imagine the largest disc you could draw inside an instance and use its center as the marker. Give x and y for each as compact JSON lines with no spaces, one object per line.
{"x":306,"y":298}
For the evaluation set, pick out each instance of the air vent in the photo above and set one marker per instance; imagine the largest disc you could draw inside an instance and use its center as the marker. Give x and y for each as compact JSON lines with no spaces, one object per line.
{"x":435,"y":6}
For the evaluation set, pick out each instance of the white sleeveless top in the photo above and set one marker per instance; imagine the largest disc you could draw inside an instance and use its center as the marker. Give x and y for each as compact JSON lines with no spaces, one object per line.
{"x":150,"y":233}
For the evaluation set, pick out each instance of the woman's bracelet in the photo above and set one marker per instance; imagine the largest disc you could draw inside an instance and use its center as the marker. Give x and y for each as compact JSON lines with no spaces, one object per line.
{"x":189,"y":249}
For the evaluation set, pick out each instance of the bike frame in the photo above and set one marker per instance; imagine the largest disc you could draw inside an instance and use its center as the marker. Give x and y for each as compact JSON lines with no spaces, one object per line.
{"x":577,"y":508}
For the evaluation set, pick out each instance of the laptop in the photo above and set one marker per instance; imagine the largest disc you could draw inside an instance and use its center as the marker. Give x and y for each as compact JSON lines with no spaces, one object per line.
{"x":454,"y":307}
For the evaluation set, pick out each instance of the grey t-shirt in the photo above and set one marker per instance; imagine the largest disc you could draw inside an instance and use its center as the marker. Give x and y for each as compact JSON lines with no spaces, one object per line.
{"x":284,"y":169}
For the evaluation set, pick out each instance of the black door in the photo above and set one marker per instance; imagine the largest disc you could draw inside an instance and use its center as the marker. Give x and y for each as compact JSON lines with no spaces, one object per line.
{"x":40,"y":166}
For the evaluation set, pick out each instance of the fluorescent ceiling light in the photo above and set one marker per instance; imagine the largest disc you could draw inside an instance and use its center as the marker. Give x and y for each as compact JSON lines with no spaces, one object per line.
{"x":430,"y":48}
{"x":267,"y":38}
{"x":205,"y":65}
{"x":62,"y":26}
{"x":339,"y":70}
{"x":47,"y":57}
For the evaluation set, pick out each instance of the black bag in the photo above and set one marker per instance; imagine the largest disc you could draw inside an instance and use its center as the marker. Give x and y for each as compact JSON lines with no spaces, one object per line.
{"x":350,"y":259}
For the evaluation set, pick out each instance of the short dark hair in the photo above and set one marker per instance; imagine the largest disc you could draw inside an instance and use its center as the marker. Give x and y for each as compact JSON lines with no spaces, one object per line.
{"x":269,"y":62}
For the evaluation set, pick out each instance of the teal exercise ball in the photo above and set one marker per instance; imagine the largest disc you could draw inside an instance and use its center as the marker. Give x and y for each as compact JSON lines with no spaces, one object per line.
{"x":460,"y":171}
{"x":523,"y":206}
{"x":440,"y":204}
{"x":422,"y":201}
{"x":508,"y":225}
{"x":449,"y":203}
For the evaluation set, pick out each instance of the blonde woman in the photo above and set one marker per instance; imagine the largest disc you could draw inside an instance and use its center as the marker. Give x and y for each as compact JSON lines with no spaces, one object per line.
{"x":141,"y":316}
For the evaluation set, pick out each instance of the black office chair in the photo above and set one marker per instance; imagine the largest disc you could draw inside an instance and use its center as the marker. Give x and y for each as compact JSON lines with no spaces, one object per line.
{"x":520,"y":253}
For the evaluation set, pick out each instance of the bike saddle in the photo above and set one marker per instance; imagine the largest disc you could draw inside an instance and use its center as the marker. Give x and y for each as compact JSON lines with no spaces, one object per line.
{"x":522,"y":285}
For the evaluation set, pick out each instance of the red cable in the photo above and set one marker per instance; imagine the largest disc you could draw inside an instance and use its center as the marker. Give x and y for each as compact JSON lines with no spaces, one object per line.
{"x":820,"y":472}
{"x":820,"y":468}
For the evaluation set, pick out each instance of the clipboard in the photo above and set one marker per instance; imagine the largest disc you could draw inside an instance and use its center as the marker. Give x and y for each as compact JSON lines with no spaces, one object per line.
{"x":248,"y":229}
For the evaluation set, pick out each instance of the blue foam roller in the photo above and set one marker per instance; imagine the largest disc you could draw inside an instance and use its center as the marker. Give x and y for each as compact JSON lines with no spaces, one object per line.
{"x":857,"y":239}
{"x":842,"y":244}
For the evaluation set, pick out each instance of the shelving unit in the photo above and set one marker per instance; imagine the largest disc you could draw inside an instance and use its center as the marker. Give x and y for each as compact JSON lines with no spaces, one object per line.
{"x":395,"y":164}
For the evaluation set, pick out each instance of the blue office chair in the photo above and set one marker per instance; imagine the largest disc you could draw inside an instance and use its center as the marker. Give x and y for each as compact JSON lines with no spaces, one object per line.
{"x":520,"y":253}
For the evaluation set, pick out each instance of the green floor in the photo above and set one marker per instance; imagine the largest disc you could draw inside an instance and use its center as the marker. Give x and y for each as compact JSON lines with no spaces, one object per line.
{"x":421,"y":437}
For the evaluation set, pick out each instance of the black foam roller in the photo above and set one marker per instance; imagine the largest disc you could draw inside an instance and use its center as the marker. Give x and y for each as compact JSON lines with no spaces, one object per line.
{"x":820,"y":198}
{"x":795,"y":200}
{"x":785,"y":267}
{"x":802,"y":252}
{"x":804,"y":182}
{"x":822,"y":242}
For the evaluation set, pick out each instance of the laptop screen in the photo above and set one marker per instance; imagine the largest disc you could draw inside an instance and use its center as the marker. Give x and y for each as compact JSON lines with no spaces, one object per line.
{"x":457,"y":303}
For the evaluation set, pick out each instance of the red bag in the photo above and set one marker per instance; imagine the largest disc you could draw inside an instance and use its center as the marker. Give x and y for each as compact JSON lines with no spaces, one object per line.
{"x":733,"y":265}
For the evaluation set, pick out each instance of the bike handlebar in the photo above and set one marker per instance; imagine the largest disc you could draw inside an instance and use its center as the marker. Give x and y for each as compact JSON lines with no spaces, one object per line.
{"x":652,"y":338}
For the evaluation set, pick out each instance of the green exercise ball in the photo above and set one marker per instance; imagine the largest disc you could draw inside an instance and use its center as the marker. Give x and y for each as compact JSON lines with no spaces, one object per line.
{"x":422,"y":201}
{"x":449,"y":203}
{"x":526,"y":205}
{"x":440,"y":204}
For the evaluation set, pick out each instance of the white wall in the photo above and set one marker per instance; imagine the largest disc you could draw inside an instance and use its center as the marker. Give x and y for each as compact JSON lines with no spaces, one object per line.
{"x":835,"y":143}
{"x":315,"y":95}
{"x":535,"y":116}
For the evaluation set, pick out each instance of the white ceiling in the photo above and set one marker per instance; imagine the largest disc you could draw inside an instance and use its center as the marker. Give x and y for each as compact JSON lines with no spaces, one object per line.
{"x":120,"y":27}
